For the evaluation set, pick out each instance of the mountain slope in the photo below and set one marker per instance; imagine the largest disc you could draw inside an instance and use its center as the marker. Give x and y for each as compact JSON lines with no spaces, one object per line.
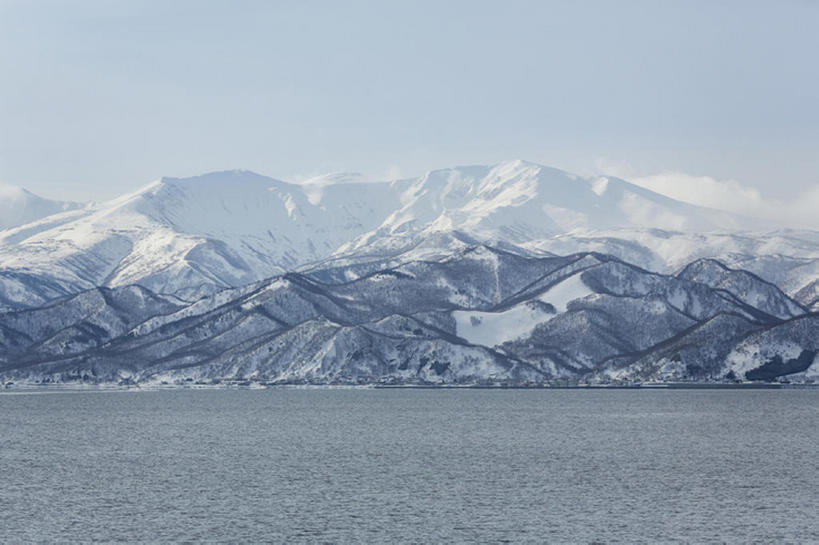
{"x":479,"y":314}
{"x":749,"y":288}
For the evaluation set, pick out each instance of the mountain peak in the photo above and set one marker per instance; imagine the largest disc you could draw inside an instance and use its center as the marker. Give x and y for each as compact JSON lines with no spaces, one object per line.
{"x":9,"y":191}
{"x":221,"y":176}
{"x":19,"y":206}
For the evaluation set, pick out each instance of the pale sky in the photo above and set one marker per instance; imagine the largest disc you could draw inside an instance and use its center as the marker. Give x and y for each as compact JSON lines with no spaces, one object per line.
{"x":100,"y":97}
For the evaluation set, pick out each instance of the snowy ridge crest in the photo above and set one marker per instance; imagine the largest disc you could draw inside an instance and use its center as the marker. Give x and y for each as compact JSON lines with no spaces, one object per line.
{"x":191,"y":237}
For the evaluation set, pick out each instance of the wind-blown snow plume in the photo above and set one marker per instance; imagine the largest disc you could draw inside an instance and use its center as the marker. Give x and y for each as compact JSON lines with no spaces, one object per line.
{"x":732,"y":196}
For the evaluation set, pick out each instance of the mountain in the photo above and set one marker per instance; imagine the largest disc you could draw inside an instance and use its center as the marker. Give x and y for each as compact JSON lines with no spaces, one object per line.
{"x":787,"y":258}
{"x":521,"y":202}
{"x":193,"y":237}
{"x":808,"y":296}
{"x":477,"y":314}
{"x":19,"y":206}
{"x":187,"y":237}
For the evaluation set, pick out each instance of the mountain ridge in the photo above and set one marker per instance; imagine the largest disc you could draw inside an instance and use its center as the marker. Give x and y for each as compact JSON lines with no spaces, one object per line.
{"x":476,"y":316}
{"x":191,"y":237}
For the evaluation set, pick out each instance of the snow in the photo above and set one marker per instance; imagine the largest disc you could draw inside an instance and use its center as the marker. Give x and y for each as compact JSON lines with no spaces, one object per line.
{"x":495,"y":328}
{"x":20,"y":207}
{"x":812,"y":372}
{"x":600,"y":185}
{"x":518,"y":322}
{"x":678,"y":298}
{"x":749,"y":356}
{"x":561,"y":294}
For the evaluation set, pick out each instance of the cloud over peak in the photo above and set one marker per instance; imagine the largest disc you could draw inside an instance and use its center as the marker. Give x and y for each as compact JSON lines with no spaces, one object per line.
{"x":729,"y":195}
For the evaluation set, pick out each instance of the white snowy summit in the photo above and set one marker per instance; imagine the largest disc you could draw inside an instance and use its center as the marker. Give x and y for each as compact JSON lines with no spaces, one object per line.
{"x":194,"y":236}
{"x":19,"y":206}
{"x":513,"y":271}
{"x":188,"y":237}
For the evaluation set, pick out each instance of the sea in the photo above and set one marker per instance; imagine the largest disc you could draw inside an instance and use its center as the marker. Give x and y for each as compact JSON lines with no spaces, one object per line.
{"x":404,"y":465}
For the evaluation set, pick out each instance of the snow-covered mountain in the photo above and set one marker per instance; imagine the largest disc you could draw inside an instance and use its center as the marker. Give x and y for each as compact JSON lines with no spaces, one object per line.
{"x":507,"y":273}
{"x":195,"y":236}
{"x":19,"y":206}
{"x":521,"y":202}
{"x":187,"y":237}
{"x":479,"y":314}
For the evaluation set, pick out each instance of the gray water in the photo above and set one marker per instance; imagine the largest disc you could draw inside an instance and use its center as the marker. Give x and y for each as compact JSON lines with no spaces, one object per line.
{"x":288,"y":465}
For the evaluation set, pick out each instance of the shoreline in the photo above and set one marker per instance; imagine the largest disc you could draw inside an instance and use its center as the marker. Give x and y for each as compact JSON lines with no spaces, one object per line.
{"x":19,"y":388}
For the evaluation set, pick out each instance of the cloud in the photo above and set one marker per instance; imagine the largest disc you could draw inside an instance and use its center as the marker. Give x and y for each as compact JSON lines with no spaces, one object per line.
{"x":614,"y":167}
{"x":731,"y":196}
{"x":727,"y":195}
{"x":393,"y":173}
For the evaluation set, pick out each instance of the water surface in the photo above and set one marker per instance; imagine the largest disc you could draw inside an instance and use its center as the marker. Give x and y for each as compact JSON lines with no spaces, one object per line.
{"x":357,"y":465}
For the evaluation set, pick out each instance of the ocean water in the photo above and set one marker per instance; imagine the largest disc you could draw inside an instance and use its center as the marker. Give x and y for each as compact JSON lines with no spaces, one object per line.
{"x":402,"y":465}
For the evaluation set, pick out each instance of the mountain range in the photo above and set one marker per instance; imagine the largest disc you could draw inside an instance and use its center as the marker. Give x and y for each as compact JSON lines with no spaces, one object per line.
{"x":514,"y":272}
